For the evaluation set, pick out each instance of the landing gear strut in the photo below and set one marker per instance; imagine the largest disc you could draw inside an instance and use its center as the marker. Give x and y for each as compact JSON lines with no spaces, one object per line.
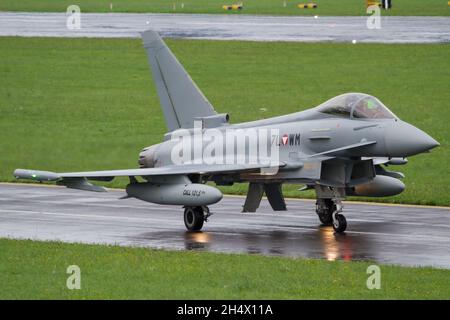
{"x":194,"y":217}
{"x":329,"y":211}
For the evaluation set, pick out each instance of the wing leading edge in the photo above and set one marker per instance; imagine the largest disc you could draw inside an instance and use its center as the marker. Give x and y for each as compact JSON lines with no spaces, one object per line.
{"x":108,"y":175}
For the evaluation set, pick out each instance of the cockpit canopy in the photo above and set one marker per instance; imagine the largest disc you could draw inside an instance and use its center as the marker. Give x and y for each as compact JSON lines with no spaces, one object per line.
{"x":356,"y":106}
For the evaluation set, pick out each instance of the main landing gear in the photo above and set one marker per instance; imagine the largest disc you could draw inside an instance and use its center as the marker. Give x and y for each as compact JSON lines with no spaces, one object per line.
{"x":329,"y":212}
{"x":194,"y":217}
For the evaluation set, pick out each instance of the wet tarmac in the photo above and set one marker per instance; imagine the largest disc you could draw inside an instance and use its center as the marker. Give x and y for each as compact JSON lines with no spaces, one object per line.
{"x":231,"y":27}
{"x":388,"y":234}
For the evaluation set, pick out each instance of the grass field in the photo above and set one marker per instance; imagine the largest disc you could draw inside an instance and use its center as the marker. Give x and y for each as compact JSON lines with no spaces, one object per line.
{"x":271,"y":7}
{"x":90,"y":104}
{"x":37,"y":270}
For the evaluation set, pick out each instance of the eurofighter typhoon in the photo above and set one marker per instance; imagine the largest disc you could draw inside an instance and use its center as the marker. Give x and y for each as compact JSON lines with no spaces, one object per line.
{"x":339,"y":148}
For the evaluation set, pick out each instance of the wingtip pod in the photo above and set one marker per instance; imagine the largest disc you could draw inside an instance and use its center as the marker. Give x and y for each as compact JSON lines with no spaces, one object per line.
{"x":36,"y":175}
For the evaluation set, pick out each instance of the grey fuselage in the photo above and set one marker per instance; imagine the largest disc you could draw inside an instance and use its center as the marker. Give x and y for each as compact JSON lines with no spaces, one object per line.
{"x":310,"y":133}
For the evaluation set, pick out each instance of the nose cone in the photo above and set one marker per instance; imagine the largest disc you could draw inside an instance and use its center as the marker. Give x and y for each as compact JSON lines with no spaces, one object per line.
{"x":403,"y":139}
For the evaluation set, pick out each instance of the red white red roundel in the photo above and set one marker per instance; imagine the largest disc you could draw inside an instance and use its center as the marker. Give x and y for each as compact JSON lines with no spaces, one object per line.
{"x":284,"y":139}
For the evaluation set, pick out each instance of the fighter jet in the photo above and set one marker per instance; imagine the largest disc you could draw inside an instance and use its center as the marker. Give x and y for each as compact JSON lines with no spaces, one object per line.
{"x":340,"y":148}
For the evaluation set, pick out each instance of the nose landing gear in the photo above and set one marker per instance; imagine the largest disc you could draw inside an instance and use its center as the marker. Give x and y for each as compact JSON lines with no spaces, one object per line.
{"x":339,"y":221}
{"x":324,"y":210}
{"x":328,"y":211}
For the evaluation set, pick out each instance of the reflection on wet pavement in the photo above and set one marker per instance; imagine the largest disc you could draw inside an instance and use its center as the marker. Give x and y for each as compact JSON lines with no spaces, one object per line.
{"x":404,"y":235}
{"x":321,"y":243}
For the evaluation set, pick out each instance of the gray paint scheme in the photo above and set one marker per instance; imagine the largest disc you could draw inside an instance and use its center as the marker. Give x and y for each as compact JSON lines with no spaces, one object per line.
{"x":337,"y":148}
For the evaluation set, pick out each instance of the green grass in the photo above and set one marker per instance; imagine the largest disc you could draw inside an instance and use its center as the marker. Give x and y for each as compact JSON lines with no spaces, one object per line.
{"x":271,"y":7}
{"x":37,"y":270}
{"x":90,"y":104}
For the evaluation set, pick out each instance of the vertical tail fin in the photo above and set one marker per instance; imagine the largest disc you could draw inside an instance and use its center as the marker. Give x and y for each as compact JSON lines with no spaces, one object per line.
{"x":181,"y":100}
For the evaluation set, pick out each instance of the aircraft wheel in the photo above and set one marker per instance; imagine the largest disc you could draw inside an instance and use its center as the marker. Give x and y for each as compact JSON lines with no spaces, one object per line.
{"x":324,"y":210}
{"x":194,"y":218}
{"x":339,"y":223}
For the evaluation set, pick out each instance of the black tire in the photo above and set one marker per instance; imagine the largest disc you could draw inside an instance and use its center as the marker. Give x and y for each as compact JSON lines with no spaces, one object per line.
{"x":194,"y":218}
{"x":325,"y":213}
{"x":340,"y":224}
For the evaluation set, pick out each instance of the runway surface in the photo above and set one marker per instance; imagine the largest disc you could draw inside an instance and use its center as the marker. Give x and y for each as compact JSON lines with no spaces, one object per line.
{"x":230,"y":27}
{"x":406,"y":235}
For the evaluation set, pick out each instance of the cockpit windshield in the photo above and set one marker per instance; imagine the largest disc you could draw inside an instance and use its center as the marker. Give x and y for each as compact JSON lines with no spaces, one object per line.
{"x":356,"y":105}
{"x":371,"y":108}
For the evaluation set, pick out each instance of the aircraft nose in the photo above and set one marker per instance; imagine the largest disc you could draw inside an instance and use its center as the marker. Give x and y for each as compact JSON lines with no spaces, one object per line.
{"x":403,"y":139}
